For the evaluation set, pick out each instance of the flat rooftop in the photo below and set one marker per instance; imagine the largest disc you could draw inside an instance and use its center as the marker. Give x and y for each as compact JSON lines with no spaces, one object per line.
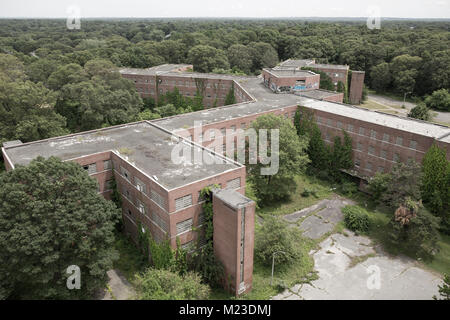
{"x":309,"y":63}
{"x":266,"y":100}
{"x":330,"y":66}
{"x":289,"y":73}
{"x":232,"y":198}
{"x":154,"y":70}
{"x":295,"y":63}
{"x":148,"y":145}
{"x":142,"y":144}
{"x":317,"y":94}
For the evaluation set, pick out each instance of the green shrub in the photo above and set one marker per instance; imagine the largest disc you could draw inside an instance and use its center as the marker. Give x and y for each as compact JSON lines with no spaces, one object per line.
{"x":356,"y":218}
{"x":444,"y":290}
{"x":275,"y":236}
{"x":349,"y":188}
{"x":162,"y":284}
{"x":419,"y":237}
{"x":309,"y":192}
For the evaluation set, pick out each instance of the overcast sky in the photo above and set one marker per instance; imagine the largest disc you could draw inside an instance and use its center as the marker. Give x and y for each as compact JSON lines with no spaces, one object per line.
{"x":226,"y":8}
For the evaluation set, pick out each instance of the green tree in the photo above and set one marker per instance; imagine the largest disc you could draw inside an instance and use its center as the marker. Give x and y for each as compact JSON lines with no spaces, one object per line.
{"x":41,"y":69}
{"x":405,"y":183}
{"x":381,"y":77}
{"x":292,"y":159}
{"x":26,"y":112}
{"x":148,"y":115}
{"x":439,"y":100}
{"x":275,"y":236}
{"x":166,"y":111}
{"x":263,"y":54}
{"x":419,"y":236}
{"x":52,"y":217}
{"x":11,"y":68}
{"x":378,"y":185}
{"x":420,"y":112}
{"x":206,"y":58}
{"x":435,"y":188}
{"x":444,"y":290}
{"x":162,"y":284}
{"x":240,"y":56}
{"x":70,"y":73}
{"x":404,"y":70}
{"x":325,"y":81}
{"x":318,"y":152}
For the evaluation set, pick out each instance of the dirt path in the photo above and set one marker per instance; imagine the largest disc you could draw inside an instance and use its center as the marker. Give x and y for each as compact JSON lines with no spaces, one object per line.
{"x":118,"y":288}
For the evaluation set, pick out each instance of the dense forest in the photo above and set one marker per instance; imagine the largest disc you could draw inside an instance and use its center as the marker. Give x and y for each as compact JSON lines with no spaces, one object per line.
{"x":55,"y":81}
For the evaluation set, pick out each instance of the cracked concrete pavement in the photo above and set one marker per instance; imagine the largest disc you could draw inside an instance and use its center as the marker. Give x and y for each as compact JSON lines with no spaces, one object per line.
{"x":319,"y":219}
{"x":350,"y":267}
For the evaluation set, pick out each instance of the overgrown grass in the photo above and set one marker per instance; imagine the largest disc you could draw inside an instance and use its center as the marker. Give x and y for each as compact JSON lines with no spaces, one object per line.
{"x":297,"y":202}
{"x":130,"y":261}
{"x":441,"y":261}
{"x":370,"y":104}
{"x":394,"y":96}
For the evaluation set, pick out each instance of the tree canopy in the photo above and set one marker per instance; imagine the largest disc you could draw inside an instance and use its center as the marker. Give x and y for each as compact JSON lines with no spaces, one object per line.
{"x":51,"y":217}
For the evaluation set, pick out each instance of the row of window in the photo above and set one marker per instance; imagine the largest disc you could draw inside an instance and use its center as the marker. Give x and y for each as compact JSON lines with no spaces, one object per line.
{"x":186,"y":201}
{"x":186,"y":225}
{"x":373,"y":134}
{"x":223,"y":131}
{"x":92,"y":167}
{"x":142,"y":187}
{"x":142,"y":208}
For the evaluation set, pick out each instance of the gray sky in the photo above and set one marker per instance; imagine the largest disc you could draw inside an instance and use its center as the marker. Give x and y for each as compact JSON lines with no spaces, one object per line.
{"x":227,"y":8}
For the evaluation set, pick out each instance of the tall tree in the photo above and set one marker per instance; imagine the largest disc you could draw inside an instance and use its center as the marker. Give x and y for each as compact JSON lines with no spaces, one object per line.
{"x":436,"y":181}
{"x":292,"y":159}
{"x":405,"y":183}
{"x":52,"y":217}
{"x":240,"y":56}
{"x":206,"y":58}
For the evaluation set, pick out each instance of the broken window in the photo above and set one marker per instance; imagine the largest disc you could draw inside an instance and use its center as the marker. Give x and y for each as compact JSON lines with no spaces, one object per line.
{"x":140,"y":185}
{"x":125,"y":173}
{"x":90,"y":168}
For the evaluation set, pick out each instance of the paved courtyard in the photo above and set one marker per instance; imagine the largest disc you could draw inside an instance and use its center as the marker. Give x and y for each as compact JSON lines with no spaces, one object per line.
{"x":351,"y":267}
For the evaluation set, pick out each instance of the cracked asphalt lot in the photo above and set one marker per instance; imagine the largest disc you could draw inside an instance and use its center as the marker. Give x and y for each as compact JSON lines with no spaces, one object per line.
{"x":350,"y":267}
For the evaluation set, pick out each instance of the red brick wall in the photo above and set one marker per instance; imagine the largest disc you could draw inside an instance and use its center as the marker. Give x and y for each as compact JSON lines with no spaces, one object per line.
{"x":338,"y":97}
{"x":356,"y":87}
{"x":376,"y":159}
{"x":214,"y":90}
{"x":331,"y":72}
{"x":227,"y":235}
{"x":311,"y":81}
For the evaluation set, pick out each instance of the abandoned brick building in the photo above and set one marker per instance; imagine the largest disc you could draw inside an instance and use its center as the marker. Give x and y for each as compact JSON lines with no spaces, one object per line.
{"x":164,"y":196}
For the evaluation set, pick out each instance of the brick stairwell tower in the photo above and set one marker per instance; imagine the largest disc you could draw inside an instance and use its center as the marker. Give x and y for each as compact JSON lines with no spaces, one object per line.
{"x":234,"y":227}
{"x":356,"y":87}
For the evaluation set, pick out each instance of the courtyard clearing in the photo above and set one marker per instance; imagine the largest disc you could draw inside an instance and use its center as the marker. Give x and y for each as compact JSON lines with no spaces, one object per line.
{"x":351,"y":266}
